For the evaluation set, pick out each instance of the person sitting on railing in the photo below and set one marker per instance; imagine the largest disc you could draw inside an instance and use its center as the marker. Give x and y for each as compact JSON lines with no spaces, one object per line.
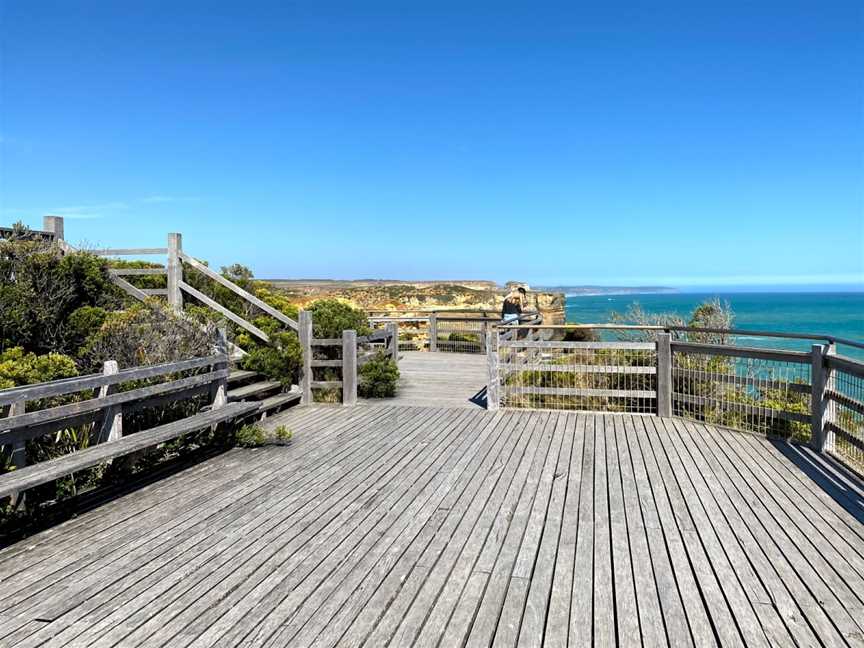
{"x":514,"y":304}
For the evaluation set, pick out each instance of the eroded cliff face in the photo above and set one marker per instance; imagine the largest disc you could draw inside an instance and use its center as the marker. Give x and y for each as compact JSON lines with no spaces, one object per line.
{"x":415,"y":297}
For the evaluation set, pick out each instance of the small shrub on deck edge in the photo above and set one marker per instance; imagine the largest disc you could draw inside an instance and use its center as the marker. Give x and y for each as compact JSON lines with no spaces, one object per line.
{"x":378,"y":377}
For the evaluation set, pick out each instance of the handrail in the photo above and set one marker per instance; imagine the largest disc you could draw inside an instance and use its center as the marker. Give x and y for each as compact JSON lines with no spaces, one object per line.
{"x":129,"y":251}
{"x":116,"y":274}
{"x":694,"y":329}
{"x":230,"y":285}
{"x":90,"y":381}
{"x":176,"y":285}
{"x":813,"y":395}
{"x":106,"y":409}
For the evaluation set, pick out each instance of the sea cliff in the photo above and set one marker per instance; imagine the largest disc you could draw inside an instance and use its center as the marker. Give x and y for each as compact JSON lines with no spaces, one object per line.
{"x":381,"y":296}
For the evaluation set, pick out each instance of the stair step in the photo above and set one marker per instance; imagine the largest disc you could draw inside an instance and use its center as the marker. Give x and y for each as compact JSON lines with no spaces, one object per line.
{"x":255,"y":389}
{"x":279,"y":400}
{"x":239,"y":375}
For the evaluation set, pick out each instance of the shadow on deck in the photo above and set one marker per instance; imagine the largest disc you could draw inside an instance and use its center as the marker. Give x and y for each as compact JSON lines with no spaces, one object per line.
{"x":416,"y":526}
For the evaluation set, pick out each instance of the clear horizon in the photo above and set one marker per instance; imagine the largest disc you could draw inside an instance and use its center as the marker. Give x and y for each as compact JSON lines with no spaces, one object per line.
{"x":684,"y":144}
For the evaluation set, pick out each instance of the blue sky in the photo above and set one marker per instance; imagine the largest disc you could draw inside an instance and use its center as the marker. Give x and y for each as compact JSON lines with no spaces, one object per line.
{"x":677,"y":143}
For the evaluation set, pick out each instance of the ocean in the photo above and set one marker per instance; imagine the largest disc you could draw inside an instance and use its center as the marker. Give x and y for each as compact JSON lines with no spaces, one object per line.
{"x":837,"y":314}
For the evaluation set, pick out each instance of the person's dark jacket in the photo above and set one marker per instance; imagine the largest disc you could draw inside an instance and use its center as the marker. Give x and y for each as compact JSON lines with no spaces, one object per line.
{"x":511,"y":307}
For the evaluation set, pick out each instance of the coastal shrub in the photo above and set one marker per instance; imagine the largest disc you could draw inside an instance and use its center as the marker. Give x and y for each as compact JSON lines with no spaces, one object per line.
{"x":83,"y":323}
{"x":581,"y":335}
{"x":378,"y":377}
{"x":330,"y":317}
{"x":20,"y":368}
{"x":254,"y":435}
{"x":140,"y":281}
{"x":250,"y":436}
{"x":280,"y":360}
{"x":39,"y":290}
{"x":282,"y":434}
{"x":145,"y":334}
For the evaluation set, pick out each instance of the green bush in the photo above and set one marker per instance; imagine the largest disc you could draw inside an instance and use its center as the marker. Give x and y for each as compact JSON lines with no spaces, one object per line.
{"x":378,"y":377}
{"x":39,"y":290}
{"x":280,"y":360}
{"x":147,"y":333}
{"x":250,"y":436}
{"x":330,"y":317}
{"x":282,"y":434}
{"x":20,"y":368}
{"x":83,"y":323}
{"x":254,"y":435}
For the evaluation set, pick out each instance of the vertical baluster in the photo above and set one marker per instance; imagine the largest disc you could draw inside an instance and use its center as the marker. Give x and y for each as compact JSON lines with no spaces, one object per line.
{"x":305,"y":334}
{"x":111,"y":427}
{"x":349,"y":367}
{"x":664,"y":374}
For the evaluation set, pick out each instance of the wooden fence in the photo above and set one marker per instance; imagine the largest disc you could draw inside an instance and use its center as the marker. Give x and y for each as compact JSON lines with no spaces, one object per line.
{"x":444,"y":332}
{"x":176,"y":286}
{"x":353,"y":353}
{"x":101,"y":400}
{"x":815,"y":396}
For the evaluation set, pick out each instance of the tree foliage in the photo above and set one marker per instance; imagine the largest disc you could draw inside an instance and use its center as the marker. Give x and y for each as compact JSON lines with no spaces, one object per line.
{"x":40,"y":289}
{"x":145,"y":334}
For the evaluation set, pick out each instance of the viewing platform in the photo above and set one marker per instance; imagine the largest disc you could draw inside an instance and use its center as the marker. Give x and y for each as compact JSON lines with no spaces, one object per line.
{"x":528,"y":485}
{"x":421,"y":526}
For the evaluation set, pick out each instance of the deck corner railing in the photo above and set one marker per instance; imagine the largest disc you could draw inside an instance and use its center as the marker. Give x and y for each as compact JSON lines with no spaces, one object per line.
{"x":814,"y":397}
{"x":341,"y":358}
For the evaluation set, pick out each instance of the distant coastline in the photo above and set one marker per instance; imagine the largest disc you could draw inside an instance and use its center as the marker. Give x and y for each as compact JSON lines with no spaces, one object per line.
{"x":599,"y":291}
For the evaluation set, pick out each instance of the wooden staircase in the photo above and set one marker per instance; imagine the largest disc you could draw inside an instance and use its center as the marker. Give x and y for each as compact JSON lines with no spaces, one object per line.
{"x":251,"y":387}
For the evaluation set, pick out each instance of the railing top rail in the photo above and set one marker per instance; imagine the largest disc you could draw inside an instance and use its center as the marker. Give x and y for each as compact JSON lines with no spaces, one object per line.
{"x":843,"y":363}
{"x":127,"y":251}
{"x":691,"y":329}
{"x":442,"y":316}
{"x":776,"y":355}
{"x":92,"y":381}
{"x":244,"y":294}
{"x":31,"y":235}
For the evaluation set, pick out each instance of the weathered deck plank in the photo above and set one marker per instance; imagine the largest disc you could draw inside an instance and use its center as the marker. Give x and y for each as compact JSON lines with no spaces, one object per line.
{"x":406,"y":525}
{"x":441,"y":379}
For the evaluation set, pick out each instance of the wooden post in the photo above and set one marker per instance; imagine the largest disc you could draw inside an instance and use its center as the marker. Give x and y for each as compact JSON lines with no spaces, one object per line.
{"x":492,"y":372}
{"x":394,"y":341}
{"x":304,"y":331}
{"x":19,"y":451}
{"x":111,"y":428}
{"x":484,"y":337}
{"x":820,"y":380}
{"x":349,"y":367}
{"x":433,"y":332}
{"x":219,"y":388}
{"x":175,"y":271}
{"x":53,"y":224}
{"x":664,"y":374}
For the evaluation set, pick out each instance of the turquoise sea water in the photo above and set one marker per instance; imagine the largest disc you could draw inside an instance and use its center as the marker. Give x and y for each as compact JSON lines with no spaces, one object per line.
{"x":837,"y":314}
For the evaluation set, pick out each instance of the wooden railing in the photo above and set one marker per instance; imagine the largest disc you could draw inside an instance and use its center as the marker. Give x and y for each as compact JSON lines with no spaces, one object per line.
{"x":444,"y":331}
{"x":354,"y":352}
{"x":176,"y":286}
{"x":101,"y":400}
{"x":814,"y":396}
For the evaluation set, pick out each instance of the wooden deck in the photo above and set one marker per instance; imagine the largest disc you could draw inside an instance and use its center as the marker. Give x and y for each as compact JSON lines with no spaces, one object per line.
{"x":441,"y":379}
{"x":410,"y":526}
